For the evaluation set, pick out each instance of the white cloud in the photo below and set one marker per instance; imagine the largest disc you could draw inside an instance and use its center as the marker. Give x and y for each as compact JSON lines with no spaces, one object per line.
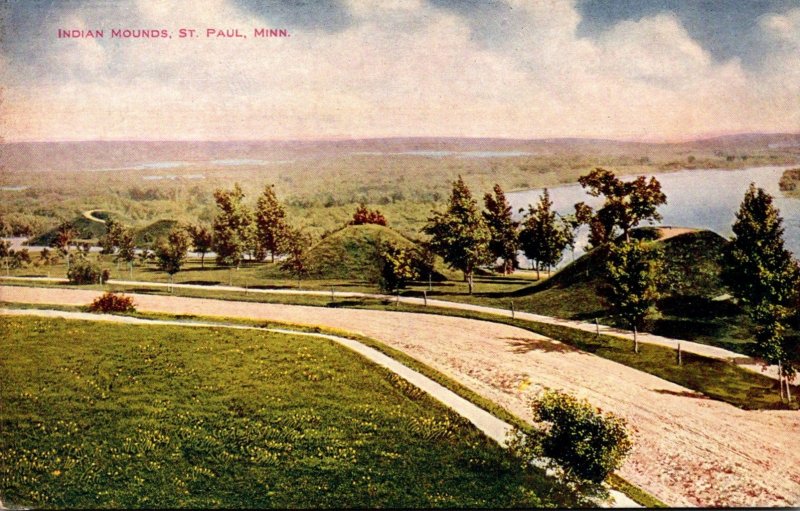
{"x":404,"y":69}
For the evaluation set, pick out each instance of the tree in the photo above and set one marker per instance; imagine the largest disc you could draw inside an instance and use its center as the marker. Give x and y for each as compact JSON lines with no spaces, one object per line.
{"x":296,"y":261}
{"x":171,"y":253}
{"x":126,"y":247}
{"x":459,"y":234}
{"x":20,"y":258}
{"x":544,"y":237}
{"x":626,"y":205}
{"x":587,"y":444}
{"x":86,"y":272}
{"x":233,"y":227}
{"x":271,"y":223}
{"x":5,"y":253}
{"x":634,"y":277}
{"x":763,"y":275}
{"x":65,"y":235}
{"x":398,"y":266}
{"x":110,"y":240}
{"x":363,"y":216}
{"x":503,"y":229}
{"x":202,"y":240}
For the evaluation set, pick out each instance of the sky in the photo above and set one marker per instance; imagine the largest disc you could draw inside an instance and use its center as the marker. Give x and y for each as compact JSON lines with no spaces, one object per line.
{"x":651,"y":70}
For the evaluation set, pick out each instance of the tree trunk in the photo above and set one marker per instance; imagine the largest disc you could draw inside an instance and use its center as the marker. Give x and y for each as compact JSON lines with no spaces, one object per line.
{"x":202,"y":260}
{"x":780,"y":379}
{"x":272,"y":256}
{"x":470,"y":283}
{"x":635,"y":341}
{"x":538,"y":267}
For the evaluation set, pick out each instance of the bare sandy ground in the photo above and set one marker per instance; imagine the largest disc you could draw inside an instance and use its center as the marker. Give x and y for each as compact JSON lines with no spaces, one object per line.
{"x":689,"y":451}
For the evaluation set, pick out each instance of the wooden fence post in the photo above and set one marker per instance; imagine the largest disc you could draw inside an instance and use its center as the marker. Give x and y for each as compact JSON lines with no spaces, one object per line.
{"x":425,"y":297}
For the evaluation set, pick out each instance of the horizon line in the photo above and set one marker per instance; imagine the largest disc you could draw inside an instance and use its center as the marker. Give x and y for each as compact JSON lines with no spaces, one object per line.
{"x":345,"y":138}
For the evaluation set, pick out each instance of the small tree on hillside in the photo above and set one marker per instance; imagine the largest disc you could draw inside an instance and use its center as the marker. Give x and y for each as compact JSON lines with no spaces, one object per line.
{"x":634,"y":278}
{"x":763,"y":275}
{"x":233,"y":227}
{"x":504,"y":243}
{"x":171,"y":253}
{"x":544,"y":236}
{"x":271,"y":223}
{"x":296,"y":262}
{"x":202,"y":240}
{"x":626,"y":205}
{"x":363,"y":216}
{"x":459,"y":234}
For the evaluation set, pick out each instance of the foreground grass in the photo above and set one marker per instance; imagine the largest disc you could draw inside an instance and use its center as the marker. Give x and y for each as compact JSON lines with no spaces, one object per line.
{"x":182,"y":417}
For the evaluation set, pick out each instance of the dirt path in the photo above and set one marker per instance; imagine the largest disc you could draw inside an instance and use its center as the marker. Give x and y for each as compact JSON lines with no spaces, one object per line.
{"x":89,"y":215}
{"x":645,"y":338}
{"x":689,"y":451}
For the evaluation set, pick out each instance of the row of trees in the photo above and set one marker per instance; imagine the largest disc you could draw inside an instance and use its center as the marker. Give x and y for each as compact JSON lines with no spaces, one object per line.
{"x":468,"y":238}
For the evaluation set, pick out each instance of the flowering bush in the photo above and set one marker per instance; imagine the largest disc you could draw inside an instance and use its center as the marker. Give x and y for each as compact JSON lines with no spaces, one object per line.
{"x":112,"y":302}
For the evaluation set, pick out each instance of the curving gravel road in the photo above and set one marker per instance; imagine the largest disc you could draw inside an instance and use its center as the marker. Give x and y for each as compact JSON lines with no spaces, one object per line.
{"x":689,"y":450}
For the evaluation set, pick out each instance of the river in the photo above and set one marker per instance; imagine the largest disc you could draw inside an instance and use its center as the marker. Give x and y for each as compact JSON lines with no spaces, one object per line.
{"x":706,"y":199}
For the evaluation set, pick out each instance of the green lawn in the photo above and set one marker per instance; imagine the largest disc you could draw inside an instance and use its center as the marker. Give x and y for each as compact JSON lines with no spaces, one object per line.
{"x":103,"y":415}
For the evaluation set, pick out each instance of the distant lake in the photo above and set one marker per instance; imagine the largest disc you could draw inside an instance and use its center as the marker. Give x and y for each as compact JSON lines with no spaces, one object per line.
{"x":706,"y":199}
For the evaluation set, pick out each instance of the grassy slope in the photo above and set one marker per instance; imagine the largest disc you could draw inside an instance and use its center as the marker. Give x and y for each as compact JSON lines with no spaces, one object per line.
{"x":169,"y":416}
{"x":688,"y":311}
{"x":352,"y":253}
{"x":86,"y":229}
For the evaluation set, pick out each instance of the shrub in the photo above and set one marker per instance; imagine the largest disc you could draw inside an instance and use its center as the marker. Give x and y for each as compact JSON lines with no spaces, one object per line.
{"x":363,"y":216}
{"x":83,"y":271}
{"x":586,"y":443}
{"x":112,"y":302}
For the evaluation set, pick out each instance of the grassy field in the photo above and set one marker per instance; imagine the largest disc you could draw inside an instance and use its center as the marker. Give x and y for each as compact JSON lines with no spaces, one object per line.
{"x":184,"y":417}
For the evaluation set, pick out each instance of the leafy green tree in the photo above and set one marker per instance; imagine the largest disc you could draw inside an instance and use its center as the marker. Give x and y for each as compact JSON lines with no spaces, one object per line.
{"x":587,"y":444}
{"x":544,"y":237}
{"x":627,"y":204}
{"x":503,"y":229}
{"x":634,"y":279}
{"x":233,"y":227}
{"x":202,"y":240}
{"x":296,"y":262}
{"x":764,"y":276}
{"x":271,"y":223}
{"x":171,"y":252}
{"x":459,"y":234}
{"x":399,"y":265}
